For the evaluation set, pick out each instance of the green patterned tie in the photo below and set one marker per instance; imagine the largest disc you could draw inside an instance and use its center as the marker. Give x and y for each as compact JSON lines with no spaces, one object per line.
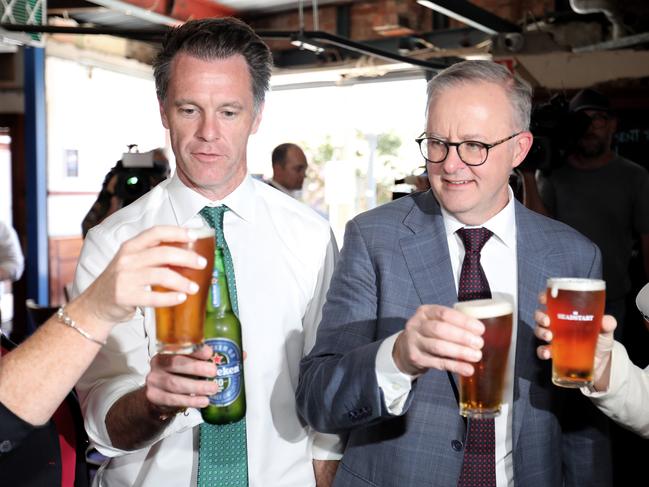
{"x":222,"y":454}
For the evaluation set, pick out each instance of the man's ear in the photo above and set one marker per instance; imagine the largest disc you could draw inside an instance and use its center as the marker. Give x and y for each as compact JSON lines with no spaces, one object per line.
{"x":523,"y":145}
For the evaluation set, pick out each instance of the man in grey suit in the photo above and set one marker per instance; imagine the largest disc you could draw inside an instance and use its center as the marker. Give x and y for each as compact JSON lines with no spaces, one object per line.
{"x":390,"y":347}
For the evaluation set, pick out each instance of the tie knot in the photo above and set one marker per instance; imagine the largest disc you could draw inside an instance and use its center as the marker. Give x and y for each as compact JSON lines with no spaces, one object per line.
{"x":474,"y":238}
{"x":214,"y":215}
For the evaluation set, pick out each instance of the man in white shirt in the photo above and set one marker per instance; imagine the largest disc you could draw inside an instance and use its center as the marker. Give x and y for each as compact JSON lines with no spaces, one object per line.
{"x":289,"y":168}
{"x":388,"y":351}
{"x":140,"y":407}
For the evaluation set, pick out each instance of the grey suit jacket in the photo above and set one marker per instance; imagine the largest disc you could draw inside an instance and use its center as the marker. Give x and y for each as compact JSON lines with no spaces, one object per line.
{"x":394,"y":259}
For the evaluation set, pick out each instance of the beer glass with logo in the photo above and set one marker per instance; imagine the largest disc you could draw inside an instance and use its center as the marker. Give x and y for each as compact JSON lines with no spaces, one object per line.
{"x":481,"y":394}
{"x":179,"y":328}
{"x":575,"y":307}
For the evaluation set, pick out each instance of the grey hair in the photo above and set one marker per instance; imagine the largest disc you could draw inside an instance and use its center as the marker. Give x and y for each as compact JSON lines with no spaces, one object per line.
{"x":216,"y":38}
{"x":518,"y":91}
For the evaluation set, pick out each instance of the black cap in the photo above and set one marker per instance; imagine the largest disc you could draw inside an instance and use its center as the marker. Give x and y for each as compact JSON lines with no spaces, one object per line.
{"x":590,"y":100}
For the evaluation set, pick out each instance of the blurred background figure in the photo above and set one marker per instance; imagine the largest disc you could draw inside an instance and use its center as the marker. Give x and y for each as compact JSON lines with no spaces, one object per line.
{"x":133,"y":176}
{"x":289,"y":168}
{"x":12,"y":262}
{"x":417,"y":182}
{"x":600,"y":194}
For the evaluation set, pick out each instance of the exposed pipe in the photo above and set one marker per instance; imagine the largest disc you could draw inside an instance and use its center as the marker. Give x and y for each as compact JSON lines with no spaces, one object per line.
{"x":607,"y":7}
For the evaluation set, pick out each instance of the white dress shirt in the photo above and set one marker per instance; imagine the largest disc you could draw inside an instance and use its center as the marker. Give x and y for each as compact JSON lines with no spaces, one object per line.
{"x":498,"y":260}
{"x":12,"y":262}
{"x":283,"y":255}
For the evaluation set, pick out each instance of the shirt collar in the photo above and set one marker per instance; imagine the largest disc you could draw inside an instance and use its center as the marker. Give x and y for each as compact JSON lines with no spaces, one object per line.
{"x":502,"y":224}
{"x":187,"y":203}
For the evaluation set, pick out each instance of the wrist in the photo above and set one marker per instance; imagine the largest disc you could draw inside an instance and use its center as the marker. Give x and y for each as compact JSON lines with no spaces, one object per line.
{"x":399,"y":362}
{"x":162,"y":414}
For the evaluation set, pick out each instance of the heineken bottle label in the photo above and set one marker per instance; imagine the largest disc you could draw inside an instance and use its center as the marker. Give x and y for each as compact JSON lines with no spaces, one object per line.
{"x":228,"y":361}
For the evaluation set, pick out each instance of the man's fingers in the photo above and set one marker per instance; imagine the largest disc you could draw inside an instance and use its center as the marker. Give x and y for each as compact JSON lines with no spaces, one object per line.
{"x":541,"y":319}
{"x":441,"y":331}
{"x":452,"y":316}
{"x":162,"y":398}
{"x":187,"y":365}
{"x":544,"y":352}
{"x":609,"y":324}
{"x":543,"y":298}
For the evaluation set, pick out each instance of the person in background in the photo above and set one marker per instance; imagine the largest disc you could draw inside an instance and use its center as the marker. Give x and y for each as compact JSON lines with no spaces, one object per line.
{"x":141,"y":408}
{"x":12,"y":262}
{"x":289,"y":168}
{"x":124,"y":184}
{"x":620,"y":388}
{"x":37,"y":375}
{"x":600,"y":194}
{"x":384,"y":366}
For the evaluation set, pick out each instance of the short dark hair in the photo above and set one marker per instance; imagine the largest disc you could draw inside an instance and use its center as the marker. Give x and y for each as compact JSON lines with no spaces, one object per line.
{"x":278,"y":156}
{"x":219,"y":38}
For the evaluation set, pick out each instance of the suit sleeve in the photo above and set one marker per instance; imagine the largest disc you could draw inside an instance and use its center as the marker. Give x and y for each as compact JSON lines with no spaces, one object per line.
{"x":338,"y":387}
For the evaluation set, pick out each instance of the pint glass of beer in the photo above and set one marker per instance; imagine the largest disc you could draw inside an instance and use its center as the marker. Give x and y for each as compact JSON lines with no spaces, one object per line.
{"x":575,"y":307}
{"x":179,"y":329}
{"x":481,"y":394}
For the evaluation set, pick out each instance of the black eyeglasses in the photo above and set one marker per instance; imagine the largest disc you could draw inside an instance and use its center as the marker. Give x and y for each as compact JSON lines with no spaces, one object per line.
{"x":471,"y":152}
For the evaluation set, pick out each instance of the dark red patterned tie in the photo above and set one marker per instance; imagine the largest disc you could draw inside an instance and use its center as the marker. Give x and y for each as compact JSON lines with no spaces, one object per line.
{"x":479,"y":465}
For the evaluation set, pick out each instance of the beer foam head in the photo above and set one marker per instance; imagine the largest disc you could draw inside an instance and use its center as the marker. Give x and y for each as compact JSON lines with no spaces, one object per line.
{"x":202,"y":232}
{"x":485,"y":308}
{"x":574,"y":284}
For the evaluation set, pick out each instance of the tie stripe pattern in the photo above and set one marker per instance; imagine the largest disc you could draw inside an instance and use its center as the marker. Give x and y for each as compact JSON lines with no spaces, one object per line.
{"x":223,"y":454}
{"x":479,"y":465}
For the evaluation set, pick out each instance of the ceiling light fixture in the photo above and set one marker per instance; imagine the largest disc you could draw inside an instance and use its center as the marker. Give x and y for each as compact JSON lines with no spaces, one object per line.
{"x":454,"y":15}
{"x":298,"y":39}
{"x":309,"y":46}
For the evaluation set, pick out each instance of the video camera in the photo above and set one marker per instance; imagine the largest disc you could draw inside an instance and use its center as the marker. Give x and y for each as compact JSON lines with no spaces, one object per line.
{"x":556,"y":129}
{"x":137,"y":173}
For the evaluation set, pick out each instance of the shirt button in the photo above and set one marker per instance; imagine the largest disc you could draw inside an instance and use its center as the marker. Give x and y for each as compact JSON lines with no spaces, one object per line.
{"x":456,"y":445}
{"x":5,"y":446}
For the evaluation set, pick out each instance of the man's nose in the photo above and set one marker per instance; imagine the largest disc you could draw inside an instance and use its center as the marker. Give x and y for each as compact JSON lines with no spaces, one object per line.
{"x":208,"y":129}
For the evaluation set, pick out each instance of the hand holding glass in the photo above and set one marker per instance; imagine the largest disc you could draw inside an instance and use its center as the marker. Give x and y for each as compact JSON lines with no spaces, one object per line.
{"x":179,"y":328}
{"x":481,"y":394}
{"x":575,"y":307}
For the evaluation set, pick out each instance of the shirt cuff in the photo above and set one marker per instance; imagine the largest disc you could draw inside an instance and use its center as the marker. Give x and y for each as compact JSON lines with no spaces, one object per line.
{"x":618,"y":358}
{"x":395,"y":384}
{"x":327,"y":446}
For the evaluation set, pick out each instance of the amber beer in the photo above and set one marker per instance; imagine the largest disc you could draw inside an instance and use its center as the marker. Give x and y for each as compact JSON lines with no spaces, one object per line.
{"x":481,"y":394}
{"x":179,"y":329}
{"x":575,"y":307}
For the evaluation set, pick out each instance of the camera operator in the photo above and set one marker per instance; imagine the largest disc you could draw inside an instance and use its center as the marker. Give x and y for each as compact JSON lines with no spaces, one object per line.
{"x":600,"y":194}
{"x":130,"y":178}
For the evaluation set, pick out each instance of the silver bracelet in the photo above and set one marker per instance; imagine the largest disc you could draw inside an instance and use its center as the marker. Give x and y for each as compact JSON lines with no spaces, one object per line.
{"x":63,"y":318}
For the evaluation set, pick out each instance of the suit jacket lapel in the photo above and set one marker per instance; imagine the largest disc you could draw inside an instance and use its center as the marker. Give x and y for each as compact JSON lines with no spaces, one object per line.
{"x":426,"y":254}
{"x":532,"y":246}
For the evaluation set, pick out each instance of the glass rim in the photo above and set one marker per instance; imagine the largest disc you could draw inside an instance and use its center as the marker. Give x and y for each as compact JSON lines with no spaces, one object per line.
{"x":485,"y":308}
{"x":576,"y":284}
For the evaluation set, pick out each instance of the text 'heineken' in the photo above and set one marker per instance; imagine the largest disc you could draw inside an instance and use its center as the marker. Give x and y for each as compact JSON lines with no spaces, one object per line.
{"x":223,"y":334}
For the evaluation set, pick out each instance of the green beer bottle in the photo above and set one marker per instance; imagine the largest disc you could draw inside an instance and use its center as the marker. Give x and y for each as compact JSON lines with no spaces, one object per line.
{"x":223,"y":334}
